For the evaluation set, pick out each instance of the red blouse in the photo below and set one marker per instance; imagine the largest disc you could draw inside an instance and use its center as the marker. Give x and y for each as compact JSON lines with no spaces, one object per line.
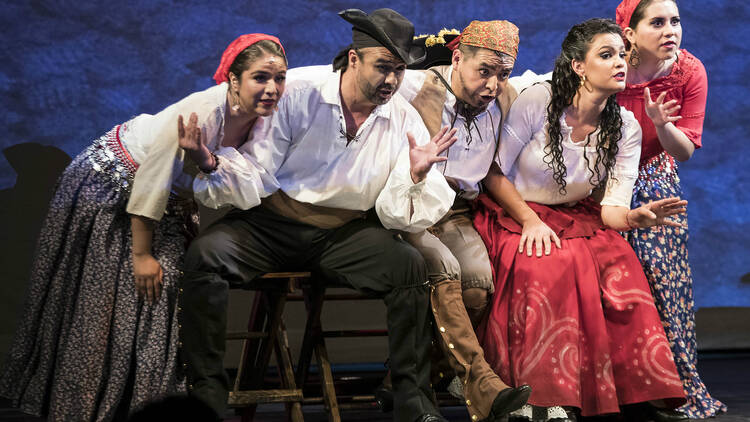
{"x":687,"y":83}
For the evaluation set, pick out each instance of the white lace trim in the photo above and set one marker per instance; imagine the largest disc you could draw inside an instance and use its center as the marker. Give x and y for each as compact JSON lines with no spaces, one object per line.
{"x":556,"y":412}
{"x":456,"y":388}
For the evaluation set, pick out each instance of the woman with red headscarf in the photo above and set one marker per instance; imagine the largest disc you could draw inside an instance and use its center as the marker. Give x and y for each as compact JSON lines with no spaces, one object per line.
{"x":99,"y":335}
{"x":666,"y":91}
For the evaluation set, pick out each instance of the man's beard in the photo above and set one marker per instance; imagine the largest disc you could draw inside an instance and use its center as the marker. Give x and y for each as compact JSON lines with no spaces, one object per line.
{"x":372,"y":93}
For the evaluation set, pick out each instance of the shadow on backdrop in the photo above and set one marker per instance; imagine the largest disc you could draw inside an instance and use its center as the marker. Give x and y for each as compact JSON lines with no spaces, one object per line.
{"x":22,"y":213}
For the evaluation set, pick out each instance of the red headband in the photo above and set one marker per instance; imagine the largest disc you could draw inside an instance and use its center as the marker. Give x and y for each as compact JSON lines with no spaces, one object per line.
{"x":242,"y":42}
{"x":624,"y":12}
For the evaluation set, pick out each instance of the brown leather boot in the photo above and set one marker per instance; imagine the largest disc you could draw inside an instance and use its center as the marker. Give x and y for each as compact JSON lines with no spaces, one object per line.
{"x":487,"y":396}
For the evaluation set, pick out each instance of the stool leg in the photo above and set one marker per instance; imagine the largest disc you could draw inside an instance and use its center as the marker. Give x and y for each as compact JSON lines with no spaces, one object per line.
{"x":286,"y":372}
{"x":313,"y":296}
{"x":250,"y":352}
{"x":270,"y":309}
{"x":251,"y":347}
{"x":275,"y":305}
{"x":314,"y":342}
{"x":329,"y":390}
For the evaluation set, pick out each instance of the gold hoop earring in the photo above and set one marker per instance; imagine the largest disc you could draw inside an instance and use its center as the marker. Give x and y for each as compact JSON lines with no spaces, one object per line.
{"x":635,"y":58}
{"x":235,"y":100}
{"x":583,"y":81}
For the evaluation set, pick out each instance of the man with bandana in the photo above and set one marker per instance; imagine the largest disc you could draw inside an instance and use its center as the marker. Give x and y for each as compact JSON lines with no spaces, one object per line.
{"x":340,"y":144}
{"x":471,"y":95}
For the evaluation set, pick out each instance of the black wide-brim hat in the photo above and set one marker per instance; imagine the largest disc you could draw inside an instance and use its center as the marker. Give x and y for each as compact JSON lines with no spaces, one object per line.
{"x":437,"y":53}
{"x":391,"y":29}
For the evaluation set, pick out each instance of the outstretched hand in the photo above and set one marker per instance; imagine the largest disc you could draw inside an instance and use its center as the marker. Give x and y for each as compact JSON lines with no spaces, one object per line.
{"x":658,"y":111}
{"x":656,"y":213}
{"x":192,"y":139}
{"x":422,"y":157}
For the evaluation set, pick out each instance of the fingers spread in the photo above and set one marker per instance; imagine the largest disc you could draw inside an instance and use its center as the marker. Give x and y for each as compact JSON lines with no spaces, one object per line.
{"x":672,"y":223}
{"x":180,"y":126}
{"x":442,"y":147}
{"x":440,"y":133}
{"x":675,"y":211}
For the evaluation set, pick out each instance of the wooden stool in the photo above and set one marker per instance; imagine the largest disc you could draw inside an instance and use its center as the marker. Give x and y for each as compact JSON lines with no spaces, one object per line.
{"x":266,"y":333}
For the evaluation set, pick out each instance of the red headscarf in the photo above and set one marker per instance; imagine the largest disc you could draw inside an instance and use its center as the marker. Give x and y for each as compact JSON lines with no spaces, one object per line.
{"x":624,"y":12}
{"x":242,"y":42}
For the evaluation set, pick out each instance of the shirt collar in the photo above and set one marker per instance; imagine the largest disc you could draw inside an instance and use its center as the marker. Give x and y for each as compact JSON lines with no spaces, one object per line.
{"x":329,"y":94}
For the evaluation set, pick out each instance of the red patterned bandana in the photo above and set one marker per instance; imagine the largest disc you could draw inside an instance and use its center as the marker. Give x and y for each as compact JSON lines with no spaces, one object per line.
{"x":500,"y":36}
{"x":242,"y":42}
{"x":624,"y":12}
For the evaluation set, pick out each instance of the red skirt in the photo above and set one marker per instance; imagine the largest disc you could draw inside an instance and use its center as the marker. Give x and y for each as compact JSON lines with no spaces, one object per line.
{"x":579,"y":325}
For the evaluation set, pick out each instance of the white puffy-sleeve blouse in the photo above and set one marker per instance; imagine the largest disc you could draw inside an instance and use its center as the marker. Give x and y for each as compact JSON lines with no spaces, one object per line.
{"x":164,"y":168}
{"x":522,"y":155}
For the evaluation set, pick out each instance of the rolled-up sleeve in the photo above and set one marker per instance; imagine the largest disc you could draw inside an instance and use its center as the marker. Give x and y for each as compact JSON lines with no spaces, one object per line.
{"x":153,"y":179}
{"x":408,"y":206}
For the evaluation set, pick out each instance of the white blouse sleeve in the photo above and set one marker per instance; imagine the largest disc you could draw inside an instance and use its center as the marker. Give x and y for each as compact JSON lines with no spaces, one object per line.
{"x":525,"y":117}
{"x":620,"y":183}
{"x":153,"y":179}
{"x":237,"y":181}
{"x":411,"y":84}
{"x":404,"y":205}
{"x":527,"y":79}
{"x":244,"y":177}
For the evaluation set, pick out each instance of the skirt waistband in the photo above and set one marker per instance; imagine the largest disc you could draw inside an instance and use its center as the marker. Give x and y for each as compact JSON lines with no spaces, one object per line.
{"x":108,"y":156}
{"x":657,"y":168}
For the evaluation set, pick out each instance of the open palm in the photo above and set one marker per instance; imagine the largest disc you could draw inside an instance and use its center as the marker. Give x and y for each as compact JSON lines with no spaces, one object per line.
{"x":422,"y":157}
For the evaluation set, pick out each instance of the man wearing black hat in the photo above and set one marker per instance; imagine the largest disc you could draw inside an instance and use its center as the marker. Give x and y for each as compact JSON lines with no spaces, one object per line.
{"x":340,"y":144}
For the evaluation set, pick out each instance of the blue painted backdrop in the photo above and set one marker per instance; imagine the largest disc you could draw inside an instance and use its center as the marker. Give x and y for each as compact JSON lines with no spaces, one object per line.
{"x":70,"y":70}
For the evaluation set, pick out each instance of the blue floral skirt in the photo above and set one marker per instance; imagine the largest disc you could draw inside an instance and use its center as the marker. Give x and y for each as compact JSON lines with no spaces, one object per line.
{"x":87,"y":348}
{"x":663,"y":253}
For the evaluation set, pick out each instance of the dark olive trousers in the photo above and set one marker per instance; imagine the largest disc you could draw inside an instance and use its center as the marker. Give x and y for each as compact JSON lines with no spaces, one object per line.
{"x":361,"y":254}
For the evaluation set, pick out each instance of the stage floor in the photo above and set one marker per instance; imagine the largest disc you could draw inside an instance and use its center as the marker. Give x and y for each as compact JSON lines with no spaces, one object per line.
{"x":726,"y":374}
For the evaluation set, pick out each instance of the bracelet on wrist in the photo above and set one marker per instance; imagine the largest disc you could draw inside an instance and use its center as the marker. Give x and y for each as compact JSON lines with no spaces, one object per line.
{"x":216,"y":165}
{"x":627,"y":220}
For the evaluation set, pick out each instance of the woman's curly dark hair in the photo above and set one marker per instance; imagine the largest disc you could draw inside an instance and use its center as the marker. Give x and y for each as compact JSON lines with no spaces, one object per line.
{"x":565,"y":83}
